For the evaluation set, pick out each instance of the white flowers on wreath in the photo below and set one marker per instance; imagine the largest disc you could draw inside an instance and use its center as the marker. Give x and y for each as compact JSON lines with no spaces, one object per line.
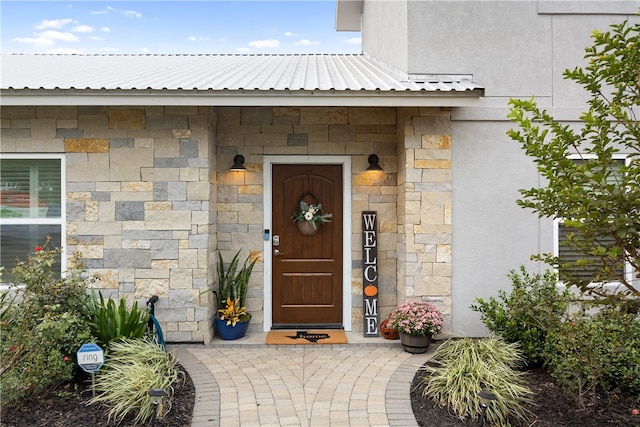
{"x":311,"y":213}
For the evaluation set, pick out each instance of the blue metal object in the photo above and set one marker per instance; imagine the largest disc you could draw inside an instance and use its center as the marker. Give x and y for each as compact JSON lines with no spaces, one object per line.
{"x":153,"y":326}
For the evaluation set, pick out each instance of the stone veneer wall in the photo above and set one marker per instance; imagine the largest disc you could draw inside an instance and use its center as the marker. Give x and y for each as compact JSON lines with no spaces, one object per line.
{"x":137,"y":202}
{"x":357,"y":132}
{"x":424,"y":207}
{"x":150,"y":198}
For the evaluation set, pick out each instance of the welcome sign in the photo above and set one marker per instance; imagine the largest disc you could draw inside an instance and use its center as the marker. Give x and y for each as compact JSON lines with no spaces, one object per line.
{"x":370,"y":274}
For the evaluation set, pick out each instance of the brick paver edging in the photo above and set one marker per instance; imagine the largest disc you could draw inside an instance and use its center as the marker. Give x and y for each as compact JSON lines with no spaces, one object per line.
{"x":206,"y":412}
{"x":397,"y":396}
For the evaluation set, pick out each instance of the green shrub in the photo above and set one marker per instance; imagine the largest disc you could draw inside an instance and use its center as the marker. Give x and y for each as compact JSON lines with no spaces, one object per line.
{"x":596,"y":353}
{"x":42,"y":328}
{"x":132,"y":368}
{"x":461,"y":368}
{"x":534,"y":306}
{"x":110,"y":322}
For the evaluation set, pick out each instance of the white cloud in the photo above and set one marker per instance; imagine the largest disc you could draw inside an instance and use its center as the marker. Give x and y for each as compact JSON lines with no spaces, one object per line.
{"x":132,"y":14}
{"x":290,"y":34}
{"x":305,"y":42}
{"x":265,"y":43}
{"x":109,"y":9}
{"x":96,"y":38}
{"x":52,"y":23}
{"x":103,"y":11}
{"x":36,"y":41}
{"x":199,"y":38}
{"x":354,"y":40}
{"x":83,"y":29}
{"x":144,"y":50}
{"x":46,"y":38}
{"x":243,"y":49}
{"x":105,"y":29}
{"x":58,"y":35}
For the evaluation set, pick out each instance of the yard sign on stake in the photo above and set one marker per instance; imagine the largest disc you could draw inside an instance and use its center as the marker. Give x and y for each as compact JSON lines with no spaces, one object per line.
{"x":90,"y":358}
{"x":370,"y":274}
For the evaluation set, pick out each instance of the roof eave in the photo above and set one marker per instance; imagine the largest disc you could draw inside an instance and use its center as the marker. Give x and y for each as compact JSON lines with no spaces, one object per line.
{"x":362,"y":98}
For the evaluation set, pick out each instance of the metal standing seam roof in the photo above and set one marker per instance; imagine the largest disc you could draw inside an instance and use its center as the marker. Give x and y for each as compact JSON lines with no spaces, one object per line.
{"x":212,"y":74}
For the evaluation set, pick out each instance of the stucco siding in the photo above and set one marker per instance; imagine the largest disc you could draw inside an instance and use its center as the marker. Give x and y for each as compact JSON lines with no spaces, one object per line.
{"x":385,"y":34}
{"x":505,"y":45}
{"x":571,"y":35}
{"x":492,"y":235}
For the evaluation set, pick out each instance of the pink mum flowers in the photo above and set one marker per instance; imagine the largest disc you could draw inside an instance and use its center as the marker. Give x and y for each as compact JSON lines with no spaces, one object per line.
{"x":417,"y":318}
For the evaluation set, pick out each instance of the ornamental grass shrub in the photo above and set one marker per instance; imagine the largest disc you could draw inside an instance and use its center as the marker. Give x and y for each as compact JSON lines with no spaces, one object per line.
{"x":43,"y":323}
{"x":461,"y":368}
{"x":132,"y":368}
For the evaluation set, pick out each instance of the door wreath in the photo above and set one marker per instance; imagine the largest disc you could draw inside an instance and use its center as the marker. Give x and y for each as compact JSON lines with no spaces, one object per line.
{"x":309,"y":214}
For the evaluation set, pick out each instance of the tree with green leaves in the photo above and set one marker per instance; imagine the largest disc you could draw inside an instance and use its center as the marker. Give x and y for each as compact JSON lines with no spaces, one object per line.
{"x":597,"y":197}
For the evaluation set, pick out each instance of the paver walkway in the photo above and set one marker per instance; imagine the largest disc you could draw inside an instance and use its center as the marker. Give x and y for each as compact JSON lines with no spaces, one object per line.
{"x":252,"y":384}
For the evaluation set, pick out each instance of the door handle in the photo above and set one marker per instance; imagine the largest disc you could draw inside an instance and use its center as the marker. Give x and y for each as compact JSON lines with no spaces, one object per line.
{"x":277,"y":252}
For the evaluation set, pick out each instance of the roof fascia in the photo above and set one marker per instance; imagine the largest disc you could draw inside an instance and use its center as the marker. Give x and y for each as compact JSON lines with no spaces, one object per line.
{"x":244,"y":98}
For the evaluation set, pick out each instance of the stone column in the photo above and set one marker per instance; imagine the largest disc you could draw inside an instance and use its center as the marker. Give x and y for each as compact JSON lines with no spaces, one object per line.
{"x":424,"y":208}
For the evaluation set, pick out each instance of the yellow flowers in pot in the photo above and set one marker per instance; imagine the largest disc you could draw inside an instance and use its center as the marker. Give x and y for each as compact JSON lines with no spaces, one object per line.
{"x":233,"y":312}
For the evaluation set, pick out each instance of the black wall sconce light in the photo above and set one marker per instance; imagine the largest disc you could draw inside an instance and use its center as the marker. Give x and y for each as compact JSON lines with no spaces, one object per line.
{"x":373,"y":163}
{"x":238,"y":163}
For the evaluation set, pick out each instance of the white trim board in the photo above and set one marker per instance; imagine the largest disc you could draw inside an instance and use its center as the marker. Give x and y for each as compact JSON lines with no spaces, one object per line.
{"x":345,"y":161}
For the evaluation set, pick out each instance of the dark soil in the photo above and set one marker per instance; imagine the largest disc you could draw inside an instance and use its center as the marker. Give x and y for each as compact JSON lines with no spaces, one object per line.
{"x":67,"y":408}
{"x":551,"y":407}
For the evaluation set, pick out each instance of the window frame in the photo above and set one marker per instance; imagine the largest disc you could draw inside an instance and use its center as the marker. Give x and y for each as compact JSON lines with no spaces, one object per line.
{"x":628,"y":272}
{"x":58,"y":221}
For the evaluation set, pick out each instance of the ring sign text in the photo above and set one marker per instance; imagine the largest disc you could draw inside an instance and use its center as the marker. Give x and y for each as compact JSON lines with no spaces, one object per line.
{"x":90,"y":357}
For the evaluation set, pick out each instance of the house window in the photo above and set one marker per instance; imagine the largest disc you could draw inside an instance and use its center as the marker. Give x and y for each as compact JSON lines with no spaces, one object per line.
{"x":31,"y":207}
{"x":589,"y":271}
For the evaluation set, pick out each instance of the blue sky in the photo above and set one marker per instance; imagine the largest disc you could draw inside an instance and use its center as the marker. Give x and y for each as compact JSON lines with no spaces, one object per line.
{"x":90,"y":27}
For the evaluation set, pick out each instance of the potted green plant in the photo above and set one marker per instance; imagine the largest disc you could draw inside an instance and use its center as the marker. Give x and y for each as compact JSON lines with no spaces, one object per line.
{"x":416,"y":322}
{"x":232,"y":318}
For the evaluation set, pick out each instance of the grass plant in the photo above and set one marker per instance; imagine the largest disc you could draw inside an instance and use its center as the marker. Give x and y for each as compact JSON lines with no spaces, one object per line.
{"x":134,"y":367}
{"x":461,"y":368}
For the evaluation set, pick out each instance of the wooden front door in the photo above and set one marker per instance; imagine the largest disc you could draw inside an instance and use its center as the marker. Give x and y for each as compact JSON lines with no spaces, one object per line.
{"x":307,"y":270}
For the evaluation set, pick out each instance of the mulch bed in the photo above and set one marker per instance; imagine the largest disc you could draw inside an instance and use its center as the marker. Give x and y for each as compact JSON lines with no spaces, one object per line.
{"x":67,"y":407}
{"x":551,"y":407}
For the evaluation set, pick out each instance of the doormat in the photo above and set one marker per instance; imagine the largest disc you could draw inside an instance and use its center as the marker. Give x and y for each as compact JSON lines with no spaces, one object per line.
{"x":318,"y":336}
